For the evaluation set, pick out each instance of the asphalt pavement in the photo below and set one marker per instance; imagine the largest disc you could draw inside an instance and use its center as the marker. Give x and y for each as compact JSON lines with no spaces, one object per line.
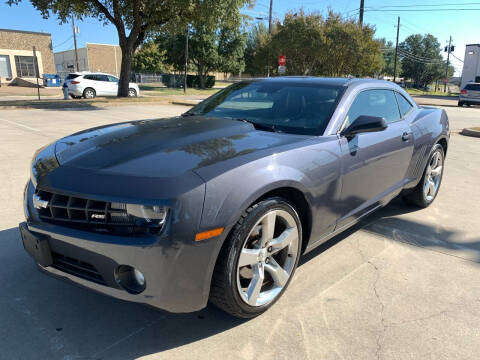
{"x":403,"y":284}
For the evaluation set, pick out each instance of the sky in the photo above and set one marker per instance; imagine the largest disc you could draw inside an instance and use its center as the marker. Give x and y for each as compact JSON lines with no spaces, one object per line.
{"x":461,"y":25}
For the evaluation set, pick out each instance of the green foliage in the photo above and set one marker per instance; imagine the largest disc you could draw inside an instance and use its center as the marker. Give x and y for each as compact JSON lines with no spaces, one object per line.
{"x":208,"y":49}
{"x":149,"y":59}
{"x":388,"y":51}
{"x":255,"y":49}
{"x":314,"y":45}
{"x":422,"y":60}
{"x":137,"y":20}
{"x":193,"y":81}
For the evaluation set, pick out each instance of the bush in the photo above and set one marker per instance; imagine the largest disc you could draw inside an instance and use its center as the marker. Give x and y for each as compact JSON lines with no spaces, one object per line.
{"x":193,"y":81}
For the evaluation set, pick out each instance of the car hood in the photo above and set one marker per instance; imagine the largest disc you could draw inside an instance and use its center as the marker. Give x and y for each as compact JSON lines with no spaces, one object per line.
{"x":164,"y":147}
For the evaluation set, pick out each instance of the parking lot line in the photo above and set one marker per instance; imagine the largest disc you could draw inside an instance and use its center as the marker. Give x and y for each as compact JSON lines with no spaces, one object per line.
{"x":21,"y":125}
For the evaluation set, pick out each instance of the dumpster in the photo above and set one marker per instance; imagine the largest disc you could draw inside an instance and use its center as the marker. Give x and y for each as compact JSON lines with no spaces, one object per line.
{"x":52,"y":80}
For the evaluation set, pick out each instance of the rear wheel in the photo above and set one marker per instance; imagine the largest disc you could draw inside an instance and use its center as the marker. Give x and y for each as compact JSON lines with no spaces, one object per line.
{"x":258,"y":260}
{"x":132,"y":93}
{"x":89,"y":93}
{"x":427,"y":189}
{"x":460,"y":103}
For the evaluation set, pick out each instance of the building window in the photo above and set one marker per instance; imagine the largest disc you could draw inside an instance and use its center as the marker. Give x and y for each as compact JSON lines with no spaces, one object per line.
{"x":5,"y":70}
{"x":25,"y":66}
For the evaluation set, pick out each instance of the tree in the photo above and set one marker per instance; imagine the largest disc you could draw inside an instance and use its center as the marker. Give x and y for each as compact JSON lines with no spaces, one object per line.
{"x":421,"y":59}
{"x":388,"y":52}
{"x":135,"y":20}
{"x":256,"y":49}
{"x":313,"y":45}
{"x":208,"y":49}
{"x":149,"y":59}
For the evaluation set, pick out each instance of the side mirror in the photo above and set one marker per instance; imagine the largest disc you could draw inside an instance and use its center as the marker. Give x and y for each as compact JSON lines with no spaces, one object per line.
{"x":364,"y":124}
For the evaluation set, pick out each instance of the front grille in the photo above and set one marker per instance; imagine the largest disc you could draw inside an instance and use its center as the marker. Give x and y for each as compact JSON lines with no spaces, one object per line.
{"x":76,"y":267}
{"x":87,"y":214}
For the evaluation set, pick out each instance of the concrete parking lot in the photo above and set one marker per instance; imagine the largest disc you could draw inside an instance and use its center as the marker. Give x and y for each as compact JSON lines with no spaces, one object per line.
{"x":403,"y":284}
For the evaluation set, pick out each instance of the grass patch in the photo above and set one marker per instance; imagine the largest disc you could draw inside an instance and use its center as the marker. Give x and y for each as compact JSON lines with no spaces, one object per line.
{"x":425,"y":92}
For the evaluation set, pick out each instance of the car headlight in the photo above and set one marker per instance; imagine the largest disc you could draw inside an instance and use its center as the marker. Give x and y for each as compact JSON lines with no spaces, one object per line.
{"x":152,"y":214}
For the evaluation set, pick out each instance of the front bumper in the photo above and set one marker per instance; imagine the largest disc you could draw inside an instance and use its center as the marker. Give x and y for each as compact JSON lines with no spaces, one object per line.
{"x":471,"y":100}
{"x":177,"y":269}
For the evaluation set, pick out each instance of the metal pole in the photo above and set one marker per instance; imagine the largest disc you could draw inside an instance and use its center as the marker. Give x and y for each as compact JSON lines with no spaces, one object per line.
{"x":446,"y":67}
{"x":35,"y":65}
{"x":362,"y":8}
{"x":75,"y":42}
{"x":396,"y":52}
{"x":186,"y":61}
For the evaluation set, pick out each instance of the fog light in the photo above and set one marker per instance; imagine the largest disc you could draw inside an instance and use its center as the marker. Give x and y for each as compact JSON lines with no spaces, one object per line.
{"x":131,"y":279}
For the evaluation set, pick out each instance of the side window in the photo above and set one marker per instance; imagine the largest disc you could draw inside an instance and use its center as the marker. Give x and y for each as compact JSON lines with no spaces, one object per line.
{"x":381,"y":103}
{"x":102,"y":78}
{"x":112,"y":78}
{"x":89,"y":77}
{"x":403,"y":104}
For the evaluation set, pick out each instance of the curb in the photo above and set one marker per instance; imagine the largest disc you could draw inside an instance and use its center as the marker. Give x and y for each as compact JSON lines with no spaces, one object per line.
{"x":470,"y":132}
{"x":184,"y":103}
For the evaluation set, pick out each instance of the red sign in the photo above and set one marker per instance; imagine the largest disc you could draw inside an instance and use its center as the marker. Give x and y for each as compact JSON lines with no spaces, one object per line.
{"x":282,"y":60}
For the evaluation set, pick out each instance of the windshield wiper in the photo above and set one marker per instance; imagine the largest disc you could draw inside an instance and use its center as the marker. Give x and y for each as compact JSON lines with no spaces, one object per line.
{"x":258,"y":126}
{"x":188,"y":113}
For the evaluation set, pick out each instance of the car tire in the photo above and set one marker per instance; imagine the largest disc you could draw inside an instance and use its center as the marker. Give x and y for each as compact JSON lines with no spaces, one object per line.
{"x":422,"y":196}
{"x":132,"y":92}
{"x":460,"y":103}
{"x":233,"y":285}
{"x":89,"y":93}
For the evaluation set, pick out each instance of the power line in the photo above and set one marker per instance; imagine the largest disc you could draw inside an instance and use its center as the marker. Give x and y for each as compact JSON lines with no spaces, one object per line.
{"x":63,"y":42}
{"x":413,"y":10}
{"x":457,"y":58}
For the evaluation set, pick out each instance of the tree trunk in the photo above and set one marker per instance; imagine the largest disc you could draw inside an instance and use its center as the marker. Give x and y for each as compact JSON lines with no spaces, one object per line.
{"x":125,"y":69}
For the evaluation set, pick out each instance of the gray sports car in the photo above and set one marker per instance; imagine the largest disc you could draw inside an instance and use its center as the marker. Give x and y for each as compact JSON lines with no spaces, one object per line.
{"x":218,"y":204}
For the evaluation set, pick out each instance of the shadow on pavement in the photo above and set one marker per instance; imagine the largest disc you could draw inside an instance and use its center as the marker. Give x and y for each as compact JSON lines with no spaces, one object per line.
{"x":70,"y":322}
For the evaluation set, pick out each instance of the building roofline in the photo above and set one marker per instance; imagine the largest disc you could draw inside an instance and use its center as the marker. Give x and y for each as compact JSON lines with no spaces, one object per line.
{"x":26,"y":32}
{"x":89,"y":43}
{"x":473,"y":45}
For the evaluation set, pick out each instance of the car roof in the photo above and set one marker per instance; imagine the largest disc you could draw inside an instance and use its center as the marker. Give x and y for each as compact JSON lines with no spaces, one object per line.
{"x":339,"y":81}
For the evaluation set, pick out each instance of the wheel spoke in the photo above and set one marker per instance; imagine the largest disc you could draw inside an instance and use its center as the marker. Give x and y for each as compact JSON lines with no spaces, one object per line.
{"x":431,"y":187}
{"x":437,"y":171}
{"x":256,"y":283}
{"x":426,"y":187}
{"x":248,"y":257}
{"x":268,"y":227}
{"x":284,"y":239}
{"x":279,"y":275}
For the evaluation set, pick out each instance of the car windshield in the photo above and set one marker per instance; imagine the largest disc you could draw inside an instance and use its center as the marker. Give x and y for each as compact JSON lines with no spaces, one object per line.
{"x":283,"y":106}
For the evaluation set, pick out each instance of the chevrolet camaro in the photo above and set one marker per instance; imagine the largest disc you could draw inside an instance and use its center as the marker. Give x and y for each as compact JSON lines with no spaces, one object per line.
{"x":219,"y":203}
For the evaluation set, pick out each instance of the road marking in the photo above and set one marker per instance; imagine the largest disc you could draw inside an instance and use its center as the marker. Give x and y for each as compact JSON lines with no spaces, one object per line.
{"x":21,"y":125}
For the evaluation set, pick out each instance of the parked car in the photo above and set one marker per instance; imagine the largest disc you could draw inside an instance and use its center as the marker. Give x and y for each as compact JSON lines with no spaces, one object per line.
{"x":470,"y":95}
{"x":220,"y":203}
{"x":90,"y":85}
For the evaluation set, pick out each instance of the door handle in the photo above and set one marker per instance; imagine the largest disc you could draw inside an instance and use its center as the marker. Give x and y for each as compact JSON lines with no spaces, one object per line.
{"x":405,"y":136}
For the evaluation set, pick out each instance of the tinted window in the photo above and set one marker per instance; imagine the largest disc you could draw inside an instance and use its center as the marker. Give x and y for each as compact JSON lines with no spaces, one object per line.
{"x":101,"y":77}
{"x":286,"y":106}
{"x":112,"y":78}
{"x":403,"y":104}
{"x":89,"y":77}
{"x":71,"y":76}
{"x":475,"y":87}
{"x":381,"y":103}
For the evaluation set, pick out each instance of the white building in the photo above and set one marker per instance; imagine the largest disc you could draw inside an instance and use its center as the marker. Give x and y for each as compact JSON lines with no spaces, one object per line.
{"x":471,"y":65}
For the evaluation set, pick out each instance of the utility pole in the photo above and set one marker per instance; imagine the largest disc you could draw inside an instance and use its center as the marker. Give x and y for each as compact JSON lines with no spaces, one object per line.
{"x":35,"y":65}
{"x":270,"y":17}
{"x":269,"y":32}
{"x":186,"y":61}
{"x":75,"y":43}
{"x":362,"y":8}
{"x":396,"y":52}
{"x":446,"y":67}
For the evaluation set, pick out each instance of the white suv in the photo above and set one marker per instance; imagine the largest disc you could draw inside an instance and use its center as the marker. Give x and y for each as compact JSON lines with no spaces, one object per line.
{"x":89,"y":85}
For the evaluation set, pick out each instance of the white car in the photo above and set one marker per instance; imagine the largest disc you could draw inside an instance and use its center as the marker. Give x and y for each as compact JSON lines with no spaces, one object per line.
{"x":89,"y":85}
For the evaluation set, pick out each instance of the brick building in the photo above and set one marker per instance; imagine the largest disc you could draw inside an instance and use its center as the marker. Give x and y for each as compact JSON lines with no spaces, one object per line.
{"x":16,"y":55}
{"x":93,"y":57}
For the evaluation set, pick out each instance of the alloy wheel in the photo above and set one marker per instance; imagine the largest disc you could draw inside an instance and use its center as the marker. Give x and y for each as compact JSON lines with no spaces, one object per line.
{"x":268,"y":258}
{"x":433,"y":176}
{"x":132,"y":93}
{"x":89,"y":94}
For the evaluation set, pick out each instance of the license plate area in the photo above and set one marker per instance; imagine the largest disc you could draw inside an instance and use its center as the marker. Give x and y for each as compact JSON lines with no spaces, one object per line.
{"x":37,"y":246}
